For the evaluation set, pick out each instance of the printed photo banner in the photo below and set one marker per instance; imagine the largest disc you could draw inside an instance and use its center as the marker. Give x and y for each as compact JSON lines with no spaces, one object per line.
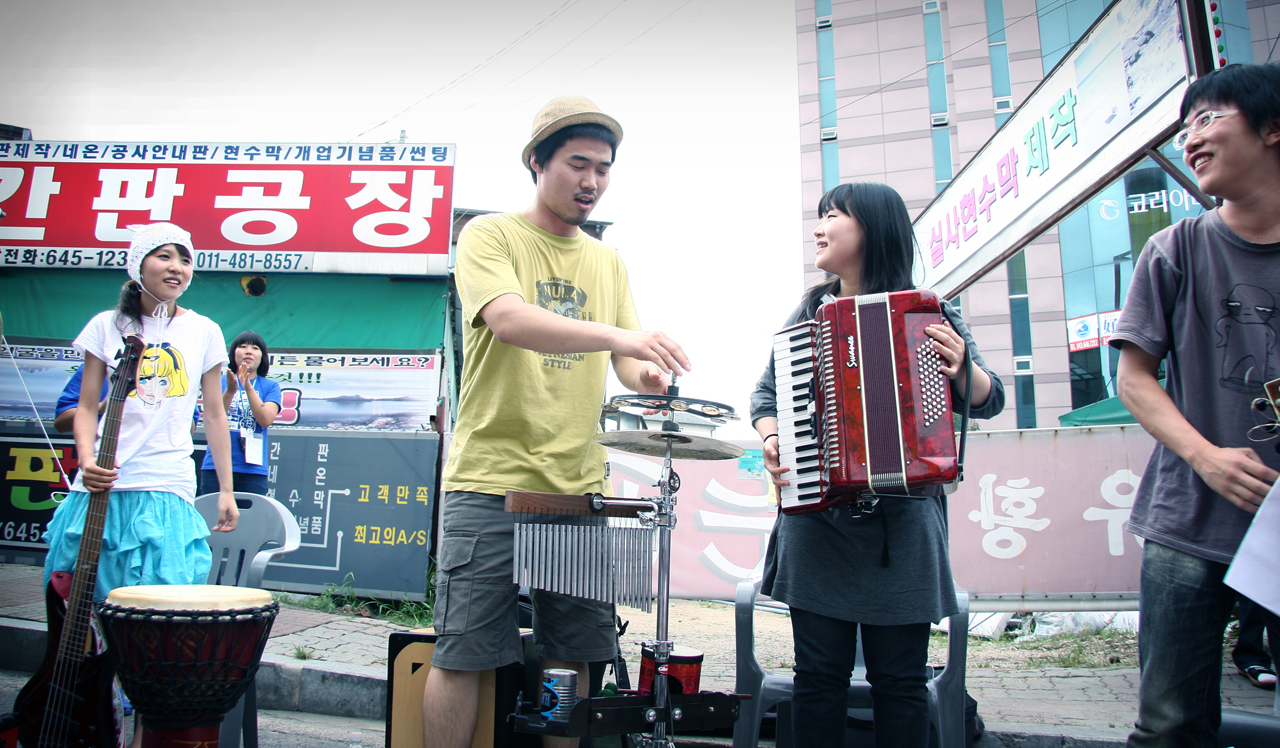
{"x":362,"y":390}
{"x":250,"y":207}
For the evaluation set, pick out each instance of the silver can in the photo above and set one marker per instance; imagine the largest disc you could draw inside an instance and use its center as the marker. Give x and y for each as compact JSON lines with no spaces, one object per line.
{"x":559,"y":693}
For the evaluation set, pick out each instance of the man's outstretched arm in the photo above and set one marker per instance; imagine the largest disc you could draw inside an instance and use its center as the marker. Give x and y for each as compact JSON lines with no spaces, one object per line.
{"x":515,"y":322}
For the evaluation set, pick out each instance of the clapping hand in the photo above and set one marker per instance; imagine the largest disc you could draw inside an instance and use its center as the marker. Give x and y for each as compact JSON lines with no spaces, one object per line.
{"x":246,"y":376}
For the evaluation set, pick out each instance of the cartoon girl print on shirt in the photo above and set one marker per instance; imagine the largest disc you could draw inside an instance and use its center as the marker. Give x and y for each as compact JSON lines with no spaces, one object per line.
{"x":161,"y":374}
{"x":1247,"y":338}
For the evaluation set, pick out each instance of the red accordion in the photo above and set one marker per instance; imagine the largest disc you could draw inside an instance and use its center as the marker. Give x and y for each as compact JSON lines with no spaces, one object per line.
{"x":863,"y":409}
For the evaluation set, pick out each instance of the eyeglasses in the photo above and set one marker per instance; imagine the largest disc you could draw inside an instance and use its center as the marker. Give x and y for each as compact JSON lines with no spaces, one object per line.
{"x":1198,"y":125}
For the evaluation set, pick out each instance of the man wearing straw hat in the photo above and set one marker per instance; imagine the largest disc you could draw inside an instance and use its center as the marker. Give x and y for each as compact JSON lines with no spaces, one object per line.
{"x":546,"y":310}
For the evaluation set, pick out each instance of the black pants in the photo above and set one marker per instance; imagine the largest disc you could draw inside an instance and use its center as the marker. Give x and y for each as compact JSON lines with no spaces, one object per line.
{"x":897,"y":669}
{"x":246,"y":482}
{"x":1254,"y":621}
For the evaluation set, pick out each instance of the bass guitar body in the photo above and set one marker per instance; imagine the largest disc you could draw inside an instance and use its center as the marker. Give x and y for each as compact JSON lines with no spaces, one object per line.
{"x":68,"y":704}
{"x":81,"y":716}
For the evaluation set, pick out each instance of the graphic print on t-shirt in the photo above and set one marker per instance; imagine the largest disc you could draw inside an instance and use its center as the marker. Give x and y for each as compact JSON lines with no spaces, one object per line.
{"x":563,"y":298}
{"x":161,"y":374}
{"x":1247,"y":338}
{"x":240,"y":415}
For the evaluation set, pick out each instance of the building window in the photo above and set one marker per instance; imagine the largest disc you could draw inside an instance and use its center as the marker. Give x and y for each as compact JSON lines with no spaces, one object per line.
{"x":998,"y":50}
{"x":1024,"y":388}
{"x":1088,"y":385}
{"x":1020,"y":327}
{"x":827,"y":96}
{"x":937,"y":79}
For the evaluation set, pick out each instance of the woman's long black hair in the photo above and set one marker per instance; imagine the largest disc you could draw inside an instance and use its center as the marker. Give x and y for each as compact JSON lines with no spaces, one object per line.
{"x":888,"y":247}
{"x":129,"y":307}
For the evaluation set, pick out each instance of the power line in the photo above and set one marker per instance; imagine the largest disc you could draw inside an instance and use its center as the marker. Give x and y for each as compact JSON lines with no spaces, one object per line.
{"x":548,"y":58}
{"x":1055,"y":6}
{"x":619,"y":49}
{"x":567,"y":4}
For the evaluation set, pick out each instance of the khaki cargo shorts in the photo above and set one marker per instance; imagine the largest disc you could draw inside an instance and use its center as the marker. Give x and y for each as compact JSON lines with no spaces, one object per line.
{"x":476,"y":618}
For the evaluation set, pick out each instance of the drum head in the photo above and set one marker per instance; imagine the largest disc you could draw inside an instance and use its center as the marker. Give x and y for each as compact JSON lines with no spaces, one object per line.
{"x":188,"y":597}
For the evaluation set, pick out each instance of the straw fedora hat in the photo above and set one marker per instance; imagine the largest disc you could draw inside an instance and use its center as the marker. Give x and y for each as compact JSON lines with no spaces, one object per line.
{"x":564,"y":112}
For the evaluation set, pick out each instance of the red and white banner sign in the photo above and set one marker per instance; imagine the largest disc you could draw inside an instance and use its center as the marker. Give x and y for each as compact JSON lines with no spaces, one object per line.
{"x":250,"y":207}
{"x":1107,"y":322}
{"x":1082,"y":333}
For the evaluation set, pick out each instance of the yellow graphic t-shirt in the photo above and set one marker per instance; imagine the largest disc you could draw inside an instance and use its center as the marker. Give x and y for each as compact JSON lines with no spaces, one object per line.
{"x":526,"y":419}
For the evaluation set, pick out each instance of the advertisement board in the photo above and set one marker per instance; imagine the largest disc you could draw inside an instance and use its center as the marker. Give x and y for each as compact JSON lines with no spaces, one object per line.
{"x":364,"y":390}
{"x":1114,"y":95}
{"x":1039,"y":517}
{"x":1082,"y":333}
{"x":363,"y":502}
{"x":1107,"y":322}
{"x":250,"y":207}
{"x":31,"y":487}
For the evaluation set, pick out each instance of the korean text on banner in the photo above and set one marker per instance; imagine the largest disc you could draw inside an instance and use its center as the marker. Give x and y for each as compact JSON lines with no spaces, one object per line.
{"x":251,"y":207}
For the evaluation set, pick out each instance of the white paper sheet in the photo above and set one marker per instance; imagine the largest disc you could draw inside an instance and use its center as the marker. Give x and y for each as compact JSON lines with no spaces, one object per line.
{"x":1255,"y":571}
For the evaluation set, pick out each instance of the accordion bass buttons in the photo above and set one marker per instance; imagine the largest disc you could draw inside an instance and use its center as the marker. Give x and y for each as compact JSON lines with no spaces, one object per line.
{"x":933,"y":385}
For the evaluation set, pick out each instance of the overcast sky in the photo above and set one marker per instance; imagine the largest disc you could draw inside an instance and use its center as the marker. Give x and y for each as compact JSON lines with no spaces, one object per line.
{"x":705,"y":194}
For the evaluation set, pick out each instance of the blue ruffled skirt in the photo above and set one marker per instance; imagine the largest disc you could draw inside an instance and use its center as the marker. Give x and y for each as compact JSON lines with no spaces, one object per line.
{"x":150,"y":537}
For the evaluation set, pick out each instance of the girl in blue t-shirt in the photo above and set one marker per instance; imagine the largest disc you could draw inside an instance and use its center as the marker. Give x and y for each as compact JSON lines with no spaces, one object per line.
{"x":252,"y":402}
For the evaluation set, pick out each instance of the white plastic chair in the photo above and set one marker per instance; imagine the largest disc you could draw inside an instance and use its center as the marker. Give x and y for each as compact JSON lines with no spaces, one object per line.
{"x":266,"y":530}
{"x":946,"y":689}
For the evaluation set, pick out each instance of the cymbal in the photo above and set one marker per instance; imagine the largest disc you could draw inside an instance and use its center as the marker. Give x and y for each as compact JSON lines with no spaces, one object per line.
{"x":683,"y":446}
{"x":706,"y":409}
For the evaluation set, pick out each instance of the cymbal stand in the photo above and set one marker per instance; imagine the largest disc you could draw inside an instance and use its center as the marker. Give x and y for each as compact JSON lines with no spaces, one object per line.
{"x":664,"y":519}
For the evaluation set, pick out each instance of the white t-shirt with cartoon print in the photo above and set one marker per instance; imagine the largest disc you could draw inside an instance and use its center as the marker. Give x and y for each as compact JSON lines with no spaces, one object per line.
{"x":154,"y":445}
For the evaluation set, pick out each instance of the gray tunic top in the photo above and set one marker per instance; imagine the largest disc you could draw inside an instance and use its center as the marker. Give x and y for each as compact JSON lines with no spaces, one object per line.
{"x":887,"y":569}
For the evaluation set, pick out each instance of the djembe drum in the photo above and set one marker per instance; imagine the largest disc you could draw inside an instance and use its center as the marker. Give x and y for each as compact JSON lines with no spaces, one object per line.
{"x":185,"y":654}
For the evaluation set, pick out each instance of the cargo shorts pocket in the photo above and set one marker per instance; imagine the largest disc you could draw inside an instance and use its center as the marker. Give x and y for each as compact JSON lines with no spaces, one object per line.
{"x":453,"y":583}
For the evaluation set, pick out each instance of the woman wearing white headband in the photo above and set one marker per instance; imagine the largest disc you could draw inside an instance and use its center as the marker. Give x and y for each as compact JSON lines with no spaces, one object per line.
{"x":153,"y":533}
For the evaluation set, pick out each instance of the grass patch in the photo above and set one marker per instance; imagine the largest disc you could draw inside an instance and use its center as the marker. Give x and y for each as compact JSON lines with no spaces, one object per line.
{"x":1100,"y":649}
{"x":1092,"y":650}
{"x":303,"y":653}
{"x":341,"y":599}
{"x":1073,"y":655}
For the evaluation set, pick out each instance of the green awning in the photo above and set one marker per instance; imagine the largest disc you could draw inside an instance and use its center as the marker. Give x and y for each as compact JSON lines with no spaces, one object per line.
{"x":1109,"y":412}
{"x":298,"y":311}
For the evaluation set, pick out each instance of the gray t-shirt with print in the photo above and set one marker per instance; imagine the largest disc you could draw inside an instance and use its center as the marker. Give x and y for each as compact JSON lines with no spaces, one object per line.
{"x":1206,"y":301}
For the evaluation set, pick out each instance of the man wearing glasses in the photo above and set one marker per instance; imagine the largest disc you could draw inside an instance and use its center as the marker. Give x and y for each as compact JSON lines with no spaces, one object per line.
{"x":1204,"y":299}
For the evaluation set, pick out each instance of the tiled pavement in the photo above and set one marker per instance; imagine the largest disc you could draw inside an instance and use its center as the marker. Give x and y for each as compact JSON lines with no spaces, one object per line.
{"x":1102,"y":701}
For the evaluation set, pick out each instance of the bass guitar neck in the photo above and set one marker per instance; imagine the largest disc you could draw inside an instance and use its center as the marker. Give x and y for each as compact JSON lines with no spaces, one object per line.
{"x":68,"y":703}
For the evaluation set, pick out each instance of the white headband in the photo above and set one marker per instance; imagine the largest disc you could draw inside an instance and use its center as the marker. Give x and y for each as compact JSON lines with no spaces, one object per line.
{"x":147,"y":237}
